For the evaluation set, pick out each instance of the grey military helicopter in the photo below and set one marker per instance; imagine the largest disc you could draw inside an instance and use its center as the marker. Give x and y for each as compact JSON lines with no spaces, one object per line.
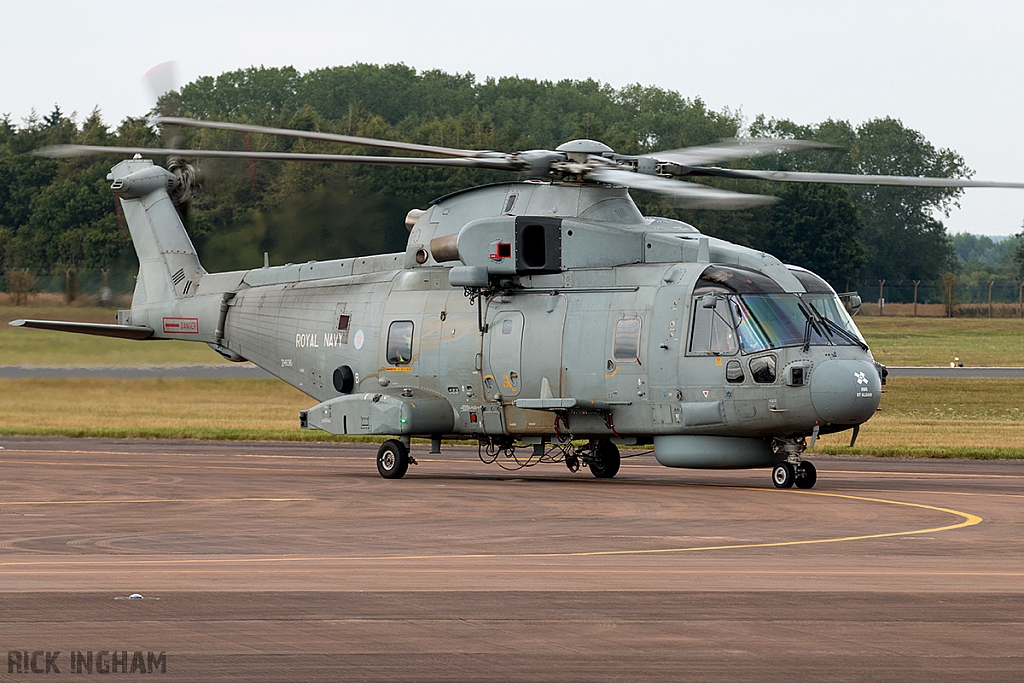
{"x":546,"y":319}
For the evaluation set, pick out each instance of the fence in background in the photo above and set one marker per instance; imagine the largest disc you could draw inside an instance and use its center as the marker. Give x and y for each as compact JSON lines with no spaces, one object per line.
{"x":949,"y":297}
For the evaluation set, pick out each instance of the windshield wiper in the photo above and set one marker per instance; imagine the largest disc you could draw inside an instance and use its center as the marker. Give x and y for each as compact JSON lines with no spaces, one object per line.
{"x":807,"y":326}
{"x":839,"y":329}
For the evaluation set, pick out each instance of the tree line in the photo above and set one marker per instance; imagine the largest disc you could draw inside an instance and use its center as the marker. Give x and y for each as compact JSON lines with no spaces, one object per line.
{"x":59,"y":215}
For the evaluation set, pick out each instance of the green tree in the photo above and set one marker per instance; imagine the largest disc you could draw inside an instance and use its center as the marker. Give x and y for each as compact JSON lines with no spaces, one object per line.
{"x":901,"y":236}
{"x":61,"y":212}
{"x":817,"y":227}
{"x":1018,"y":255}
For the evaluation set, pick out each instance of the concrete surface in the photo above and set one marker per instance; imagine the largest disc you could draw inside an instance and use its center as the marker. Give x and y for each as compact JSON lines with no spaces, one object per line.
{"x":279,"y":561}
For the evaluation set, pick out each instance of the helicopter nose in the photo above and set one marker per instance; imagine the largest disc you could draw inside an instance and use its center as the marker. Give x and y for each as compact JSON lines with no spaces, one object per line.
{"x":845,"y":391}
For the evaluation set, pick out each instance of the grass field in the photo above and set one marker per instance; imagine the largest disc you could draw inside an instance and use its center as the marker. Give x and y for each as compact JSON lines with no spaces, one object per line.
{"x":154,"y":408}
{"x":980,"y":418}
{"x":39,"y":347}
{"x":936,"y":341}
{"x":975,"y":418}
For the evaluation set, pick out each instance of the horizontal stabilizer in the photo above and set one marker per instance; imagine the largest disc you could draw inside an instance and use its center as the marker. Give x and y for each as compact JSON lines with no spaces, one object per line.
{"x":119,"y":331}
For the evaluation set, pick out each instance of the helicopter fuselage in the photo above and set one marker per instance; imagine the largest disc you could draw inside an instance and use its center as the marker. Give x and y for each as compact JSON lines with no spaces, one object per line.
{"x":543,"y":313}
{"x":534,"y":314}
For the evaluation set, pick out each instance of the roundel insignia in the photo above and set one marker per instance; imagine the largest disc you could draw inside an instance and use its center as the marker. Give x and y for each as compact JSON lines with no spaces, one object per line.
{"x":358,"y":340}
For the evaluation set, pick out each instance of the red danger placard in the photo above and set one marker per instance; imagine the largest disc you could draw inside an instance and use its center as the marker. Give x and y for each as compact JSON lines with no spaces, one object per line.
{"x":181,"y":325}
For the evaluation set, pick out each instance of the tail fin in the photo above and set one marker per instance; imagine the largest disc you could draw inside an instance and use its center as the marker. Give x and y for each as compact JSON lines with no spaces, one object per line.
{"x":169,"y":267}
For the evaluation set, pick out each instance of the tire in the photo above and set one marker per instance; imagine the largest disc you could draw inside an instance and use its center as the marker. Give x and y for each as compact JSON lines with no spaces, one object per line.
{"x":392,"y":459}
{"x":783,"y":475}
{"x":806,"y":475}
{"x":605,"y":461}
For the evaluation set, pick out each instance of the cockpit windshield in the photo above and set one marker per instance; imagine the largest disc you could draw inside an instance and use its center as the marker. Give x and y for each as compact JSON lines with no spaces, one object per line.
{"x":751,"y":321}
{"x":770,"y":321}
{"x":830,"y":307}
{"x":824,"y":300}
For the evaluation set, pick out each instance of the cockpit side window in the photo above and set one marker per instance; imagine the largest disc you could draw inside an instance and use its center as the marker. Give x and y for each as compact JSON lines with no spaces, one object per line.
{"x":711,"y":331}
{"x":400,"y":342}
{"x":627,"y":339}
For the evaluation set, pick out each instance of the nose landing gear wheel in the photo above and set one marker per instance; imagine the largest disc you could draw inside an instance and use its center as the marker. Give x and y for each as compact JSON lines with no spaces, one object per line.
{"x":392,"y":459}
{"x":806,"y":475}
{"x":605,"y":461}
{"x":783,"y":475}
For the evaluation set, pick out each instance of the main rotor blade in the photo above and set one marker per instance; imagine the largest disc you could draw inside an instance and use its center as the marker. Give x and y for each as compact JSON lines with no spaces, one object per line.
{"x":689,"y":194}
{"x":733,"y":149}
{"x":848,"y":178}
{"x":58,"y":151}
{"x":328,"y":137}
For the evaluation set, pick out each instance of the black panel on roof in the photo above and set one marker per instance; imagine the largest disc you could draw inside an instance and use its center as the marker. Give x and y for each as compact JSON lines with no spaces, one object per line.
{"x":733,"y":279}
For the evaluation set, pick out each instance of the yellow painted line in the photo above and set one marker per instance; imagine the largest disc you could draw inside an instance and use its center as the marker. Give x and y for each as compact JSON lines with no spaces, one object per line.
{"x":923,"y":492}
{"x":613,"y":373}
{"x":107,"y":571}
{"x":151,"y":500}
{"x":967,"y":520}
{"x":569,"y":570}
{"x":340,"y":444}
{"x":143,"y":469}
{"x":924,"y":474}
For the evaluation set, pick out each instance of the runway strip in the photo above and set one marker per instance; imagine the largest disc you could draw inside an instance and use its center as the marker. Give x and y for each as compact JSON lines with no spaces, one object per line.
{"x":250,"y":371}
{"x":279,"y":561}
{"x":965,"y":373}
{"x":218,"y":371}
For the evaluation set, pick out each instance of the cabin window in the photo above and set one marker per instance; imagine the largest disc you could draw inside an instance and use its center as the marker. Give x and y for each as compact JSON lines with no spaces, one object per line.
{"x":343,"y":323}
{"x":627,"y":339}
{"x":712,"y":332}
{"x":762,"y":369}
{"x":400,"y":342}
{"x":734,"y":372}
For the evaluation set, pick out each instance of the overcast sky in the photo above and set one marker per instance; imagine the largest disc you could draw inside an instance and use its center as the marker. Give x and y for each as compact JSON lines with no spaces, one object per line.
{"x":950,"y":69}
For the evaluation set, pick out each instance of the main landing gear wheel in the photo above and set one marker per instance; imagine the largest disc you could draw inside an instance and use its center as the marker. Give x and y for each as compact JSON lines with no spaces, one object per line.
{"x":605,"y":460}
{"x":806,"y":475}
{"x":783,"y":475}
{"x":392,"y":459}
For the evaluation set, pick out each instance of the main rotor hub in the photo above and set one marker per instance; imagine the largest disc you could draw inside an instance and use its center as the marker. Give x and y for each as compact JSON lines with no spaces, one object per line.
{"x":579,"y":150}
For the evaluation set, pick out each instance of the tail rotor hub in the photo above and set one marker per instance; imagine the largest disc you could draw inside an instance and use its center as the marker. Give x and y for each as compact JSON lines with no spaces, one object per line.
{"x":189,"y":182}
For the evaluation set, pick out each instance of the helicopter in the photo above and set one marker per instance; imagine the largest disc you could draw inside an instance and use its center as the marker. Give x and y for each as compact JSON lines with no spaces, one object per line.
{"x":546,"y":318}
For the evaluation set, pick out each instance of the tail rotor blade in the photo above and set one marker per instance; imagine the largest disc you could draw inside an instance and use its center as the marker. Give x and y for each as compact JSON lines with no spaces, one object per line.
{"x":160,"y":80}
